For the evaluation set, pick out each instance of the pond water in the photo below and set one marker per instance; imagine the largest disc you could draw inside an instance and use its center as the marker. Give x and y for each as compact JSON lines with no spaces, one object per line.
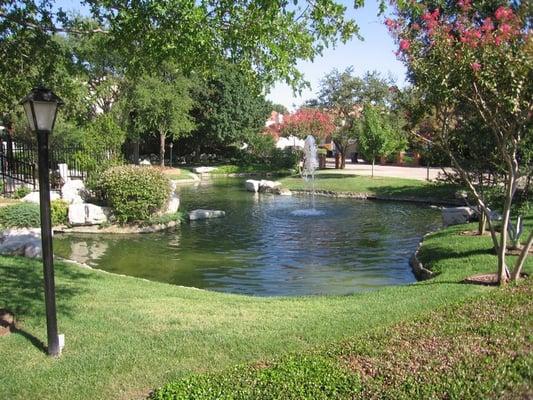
{"x":268,"y":245}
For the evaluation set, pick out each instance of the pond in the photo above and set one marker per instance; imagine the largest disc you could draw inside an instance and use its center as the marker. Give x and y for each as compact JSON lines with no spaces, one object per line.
{"x":268,"y":245}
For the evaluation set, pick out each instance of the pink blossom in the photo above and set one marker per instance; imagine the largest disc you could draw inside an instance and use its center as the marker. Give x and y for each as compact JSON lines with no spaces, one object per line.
{"x":503,"y":13}
{"x":475,"y":66}
{"x":464,"y":4}
{"x":404,"y":44}
{"x":505,"y":28}
{"x":488,"y":26}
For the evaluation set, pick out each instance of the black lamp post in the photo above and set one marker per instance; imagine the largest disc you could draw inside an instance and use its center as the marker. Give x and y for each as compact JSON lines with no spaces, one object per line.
{"x":171,"y":145}
{"x":41,"y":106}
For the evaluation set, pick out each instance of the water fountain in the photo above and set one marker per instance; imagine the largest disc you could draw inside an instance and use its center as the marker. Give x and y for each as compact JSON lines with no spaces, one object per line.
{"x":310,"y":165}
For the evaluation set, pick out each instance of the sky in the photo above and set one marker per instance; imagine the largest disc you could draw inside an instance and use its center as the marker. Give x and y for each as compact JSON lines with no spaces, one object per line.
{"x":375,"y":52}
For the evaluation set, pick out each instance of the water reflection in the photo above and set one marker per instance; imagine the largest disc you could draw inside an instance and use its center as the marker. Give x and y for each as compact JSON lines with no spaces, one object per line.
{"x":262,"y":247}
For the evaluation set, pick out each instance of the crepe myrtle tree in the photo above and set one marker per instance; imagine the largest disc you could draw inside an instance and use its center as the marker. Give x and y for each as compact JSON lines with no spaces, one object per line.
{"x":308,"y":121}
{"x":479,"y":54}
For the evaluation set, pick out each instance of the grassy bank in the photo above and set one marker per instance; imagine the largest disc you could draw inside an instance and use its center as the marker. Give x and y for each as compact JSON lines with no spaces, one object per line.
{"x":479,"y":349}
{"x":126,"y":336}
{"x":377,"y":186}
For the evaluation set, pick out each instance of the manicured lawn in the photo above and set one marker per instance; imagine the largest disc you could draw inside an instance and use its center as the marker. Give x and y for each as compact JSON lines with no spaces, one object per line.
{"x":126,"y":336}
{"x":247,"y":169}
{"x":379,"y":186}
{"x":480,"y":349}
{"x":178,"y":173}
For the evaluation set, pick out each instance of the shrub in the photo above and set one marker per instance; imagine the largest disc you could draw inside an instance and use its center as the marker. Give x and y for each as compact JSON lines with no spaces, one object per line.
{"x":21,"y":215}
{"x":59,"y":211}
{"x":21,"y":191}
{"x":134,"y":193}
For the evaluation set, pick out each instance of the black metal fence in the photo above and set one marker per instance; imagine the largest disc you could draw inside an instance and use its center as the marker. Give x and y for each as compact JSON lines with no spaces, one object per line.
{"x":19,"y":163}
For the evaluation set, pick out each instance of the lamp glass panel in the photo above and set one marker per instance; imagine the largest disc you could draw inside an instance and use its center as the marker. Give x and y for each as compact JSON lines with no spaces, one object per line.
{"x":45,"y":113}
{"x":29,"y":115}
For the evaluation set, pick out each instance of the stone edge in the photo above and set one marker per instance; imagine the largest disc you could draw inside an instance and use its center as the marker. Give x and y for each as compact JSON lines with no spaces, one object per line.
{"x":117,"y":229}
{"x":421,"y":273}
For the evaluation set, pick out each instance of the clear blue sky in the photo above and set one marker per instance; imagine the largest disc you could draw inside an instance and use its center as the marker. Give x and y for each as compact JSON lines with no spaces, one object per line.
{"x":375,"y":52}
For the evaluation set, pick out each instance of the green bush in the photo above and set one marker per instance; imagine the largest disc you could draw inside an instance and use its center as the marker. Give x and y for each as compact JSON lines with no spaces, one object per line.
{"x":21,"y":215}
{"x":21,"y":192}
{"x":135,"y":193}
{"x":59,"y":211}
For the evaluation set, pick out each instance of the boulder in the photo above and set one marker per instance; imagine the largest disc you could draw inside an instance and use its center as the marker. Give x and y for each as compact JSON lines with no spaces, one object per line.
{"x":265,"y":185}
{"x":252,"y":185}
{"x":282,"y":191}
{"x":87,"y":214}
{"x":72,"y":191}
{"x":21,"y":242}
{"x":173,"y":205}
{"x":203,"y":170}
{"x":145,"y":162}
{"x":33,"y":197}
{"x":205,"y":214}
{"x":456,"y":215}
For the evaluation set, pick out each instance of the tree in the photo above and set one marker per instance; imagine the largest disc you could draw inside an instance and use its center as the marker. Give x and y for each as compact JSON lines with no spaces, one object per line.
{"x":229,"y":109}
{"x":343,"y":95}
{"x":476,"y":54}
{"x":377,"y":138}
{"x":268,"y":37}
{"x":308,"y":121}
{"x":160,"y":104}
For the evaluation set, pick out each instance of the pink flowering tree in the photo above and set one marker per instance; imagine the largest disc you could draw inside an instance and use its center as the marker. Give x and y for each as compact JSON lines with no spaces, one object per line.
{"x":463,"y":56}
{"x":308,"y":121}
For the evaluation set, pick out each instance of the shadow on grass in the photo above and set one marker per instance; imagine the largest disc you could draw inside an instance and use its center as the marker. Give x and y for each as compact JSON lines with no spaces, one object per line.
{"x":22,"y":291}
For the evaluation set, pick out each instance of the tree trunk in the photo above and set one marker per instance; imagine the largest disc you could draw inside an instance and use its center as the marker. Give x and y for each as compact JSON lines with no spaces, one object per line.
{"x":161,"y":149}
{"x":482,"y":223}
{"x":522,"y":258}
{"x":343,"y":160}
{"x":373,"y":162}
{"x":503,"y":271}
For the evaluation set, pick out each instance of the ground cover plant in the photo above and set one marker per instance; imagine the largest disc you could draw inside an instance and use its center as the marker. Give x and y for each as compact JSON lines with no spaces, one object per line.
{"x":126,"y":336}
{"x":20,"y":215}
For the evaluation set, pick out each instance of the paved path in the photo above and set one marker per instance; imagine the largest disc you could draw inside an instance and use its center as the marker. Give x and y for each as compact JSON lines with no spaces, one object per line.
{"x":419,"y":173}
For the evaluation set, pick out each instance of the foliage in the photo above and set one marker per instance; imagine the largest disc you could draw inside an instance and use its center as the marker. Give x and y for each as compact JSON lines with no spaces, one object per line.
{"x":230,"y":110}
{"x":178,"y":216}
{"x":344,"y":95}
{"x":21,"y":192}
{"x":59,"y":212}
{"x":308,"y":121}
{"x":101,"y":146}
{"x":475,"y":58}
{"x":159,"y":105}
{"x":263,"y":153}
{"x":135,"y":193}
{"x":20,"y":215}
{"x":377,"y":138}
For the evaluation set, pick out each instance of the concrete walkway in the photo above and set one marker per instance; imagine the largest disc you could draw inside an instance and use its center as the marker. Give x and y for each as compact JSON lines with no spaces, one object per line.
{"x":419,"y":173}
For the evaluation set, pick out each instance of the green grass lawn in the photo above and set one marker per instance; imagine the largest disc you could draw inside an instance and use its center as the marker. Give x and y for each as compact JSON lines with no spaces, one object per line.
{"x":179,"y":174}
{"x":247,"y":169}
{"x":378,"y":186}
{"x":126,"y":336}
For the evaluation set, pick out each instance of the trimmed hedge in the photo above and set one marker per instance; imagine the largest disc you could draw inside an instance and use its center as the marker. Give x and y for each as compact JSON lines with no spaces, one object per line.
{"x":59,"y":211}
{"x":20,"y":215}
{"x":135,"y":193}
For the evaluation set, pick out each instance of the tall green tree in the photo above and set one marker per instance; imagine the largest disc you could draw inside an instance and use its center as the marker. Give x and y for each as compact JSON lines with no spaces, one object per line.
{"x":160,"y":105}
{"x":229,"y":109}
{"x":377,"y":138}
